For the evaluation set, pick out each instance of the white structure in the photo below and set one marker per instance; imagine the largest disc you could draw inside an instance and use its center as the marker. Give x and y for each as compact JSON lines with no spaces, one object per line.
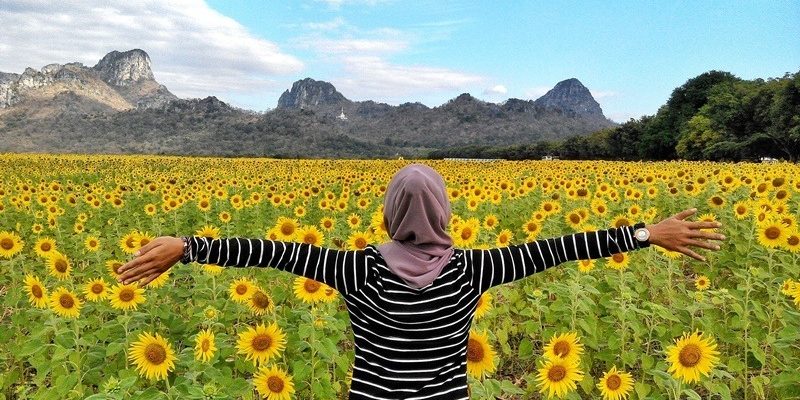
{"x":342,"y":116}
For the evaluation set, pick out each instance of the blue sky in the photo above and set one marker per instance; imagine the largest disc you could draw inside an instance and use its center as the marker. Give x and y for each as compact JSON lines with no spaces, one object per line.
{"x":630,"y":54}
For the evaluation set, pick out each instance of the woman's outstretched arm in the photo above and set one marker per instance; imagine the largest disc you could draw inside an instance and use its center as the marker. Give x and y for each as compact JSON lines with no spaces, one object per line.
{"x":344,"y":270}
{"x":500,"y":265}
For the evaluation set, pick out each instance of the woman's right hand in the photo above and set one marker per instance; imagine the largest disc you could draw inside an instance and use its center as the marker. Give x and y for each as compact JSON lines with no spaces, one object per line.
{"x":676,"y":234}
{"x":152,"y":260}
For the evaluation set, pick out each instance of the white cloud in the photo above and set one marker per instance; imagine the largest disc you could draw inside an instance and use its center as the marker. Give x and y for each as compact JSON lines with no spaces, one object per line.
{"x":349,"y":46}
{"x":374,"y":77}
{"x":496,"y":90}
{"x":338,"y":3}
{"x":195,"y":51}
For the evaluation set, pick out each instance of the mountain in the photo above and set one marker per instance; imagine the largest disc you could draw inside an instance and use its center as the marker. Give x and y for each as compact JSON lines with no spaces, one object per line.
{"x":118,"y":82}
{"x":117,"y":106}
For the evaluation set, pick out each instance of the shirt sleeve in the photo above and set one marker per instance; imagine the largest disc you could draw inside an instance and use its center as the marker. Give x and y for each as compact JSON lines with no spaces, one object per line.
{"x":500,"y":265}
{"x":344,"y":270}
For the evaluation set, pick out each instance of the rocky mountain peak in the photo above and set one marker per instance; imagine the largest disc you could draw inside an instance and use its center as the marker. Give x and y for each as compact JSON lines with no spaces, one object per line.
{"x":572,"y":97}
{"x":310,"y":93}
{"x":126,"y":68}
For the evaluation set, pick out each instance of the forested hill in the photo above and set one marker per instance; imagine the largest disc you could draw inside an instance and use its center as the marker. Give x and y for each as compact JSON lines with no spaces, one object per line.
{"x":713,"y":116}
{"x":117,"y":106}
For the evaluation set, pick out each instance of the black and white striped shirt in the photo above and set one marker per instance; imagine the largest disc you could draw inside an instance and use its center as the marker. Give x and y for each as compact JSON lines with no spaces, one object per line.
{"x":411,"y":343}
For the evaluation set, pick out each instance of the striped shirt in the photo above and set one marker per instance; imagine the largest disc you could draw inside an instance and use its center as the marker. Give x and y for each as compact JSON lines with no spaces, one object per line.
{"x":411,"y":343}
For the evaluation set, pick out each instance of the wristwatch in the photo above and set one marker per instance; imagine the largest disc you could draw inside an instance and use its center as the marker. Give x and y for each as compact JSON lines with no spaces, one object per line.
{"x":187,"y":256}
{"x":641,"y":234}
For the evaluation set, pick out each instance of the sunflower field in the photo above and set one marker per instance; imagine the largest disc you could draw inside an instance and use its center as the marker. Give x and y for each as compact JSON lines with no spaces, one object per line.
{"x":647,"y":324}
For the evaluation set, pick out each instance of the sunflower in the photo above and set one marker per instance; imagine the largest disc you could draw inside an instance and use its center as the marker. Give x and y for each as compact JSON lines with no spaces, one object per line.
{"x":212,"y":269}
{"x":564,"y":346}
{"x":618,"y":261}
{"x":793,"y":241}
{"x":484,"y":305}
{"x":326,"y":223}
{"x":225,"y":217}
{"x":532,"y":227}
{"x":92,"y":243}
{"x":37,"y":294}
{"x":125,"y":297}
{"x":209,"y":231}
{"x":96,"y":289}
{"x":771,"y":233}
{"x":287,"y":228}
{"x":260,"y":302}
{"x":308,"y":290}
{"x":10,"y":244}
{"x":204,"y":346}
{"x":273,"y":383}
{"x":150,"y":209}
{"x":702,"y":282}
{"x":741,"y":209}
{"x":586,"y":265}
{"x":796,"y":294}
{"x":59,"y":265}
{"x":113,"y":267}
{"x":466,"y":233}
{"x":353,"y":221}
{"x":504,"y":238}
{"x":261,"y":343}
{"x":310,"y":235}
{"x":65,"y":303}
{"x":615,"y":385}
{"x":44,"y":246}
{"x":669,"y":253}
{"x":160,"y":280}
{"x":130,"y":242}
{"x":490,"y":221}
{"x":358,"y":240}
{"x":787,"y":287}
{"x":480,"y":355}
{"x":691,"y":355}
{"x":152,"y":355}
{"x":558,"y":376}
{"x":241,"y":289}
{"x":329,"y":293}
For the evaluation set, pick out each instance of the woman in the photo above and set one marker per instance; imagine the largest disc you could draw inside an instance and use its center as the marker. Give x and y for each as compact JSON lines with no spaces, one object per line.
{"x":411,"y":301}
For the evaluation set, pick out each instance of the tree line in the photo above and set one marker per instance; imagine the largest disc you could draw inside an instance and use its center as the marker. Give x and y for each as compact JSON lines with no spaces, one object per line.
{"x":714,"y":116}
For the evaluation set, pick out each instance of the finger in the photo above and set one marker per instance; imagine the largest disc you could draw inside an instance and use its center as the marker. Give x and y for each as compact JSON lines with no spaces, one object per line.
{"x":708,"y":235}
{"x":685,"y":213}
{"x":690,"y":253}
{"x":144,"y":249}
{"x":137,"y":272}
{"x":129,"y":265}
{"x":148,"y":279}
{"x":705,"y":245}
{"x":704,"y":224}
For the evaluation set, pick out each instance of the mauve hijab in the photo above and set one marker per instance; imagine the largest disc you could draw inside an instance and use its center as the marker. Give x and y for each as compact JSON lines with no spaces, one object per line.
{"x":416,"y":211}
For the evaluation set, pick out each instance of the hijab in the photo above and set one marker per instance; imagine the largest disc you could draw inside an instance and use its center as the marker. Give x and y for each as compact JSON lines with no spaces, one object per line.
{"x":416,"y":211}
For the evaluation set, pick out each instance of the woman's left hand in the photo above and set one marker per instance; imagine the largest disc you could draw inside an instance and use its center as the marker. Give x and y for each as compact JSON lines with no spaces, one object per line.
{"x":151,"y":260}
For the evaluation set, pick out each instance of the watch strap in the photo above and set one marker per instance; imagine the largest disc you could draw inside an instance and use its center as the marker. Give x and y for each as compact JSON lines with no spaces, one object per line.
{"x":187,"y":250}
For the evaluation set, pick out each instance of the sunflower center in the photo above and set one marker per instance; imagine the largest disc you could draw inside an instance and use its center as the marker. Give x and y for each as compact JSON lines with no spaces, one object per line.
{"x":61,"y":266}
{"x":287,"y":228}
{"x":241,"y":289}
{"x":561,"y":349}
{"x":275,"y":384}
{"x":310,"y":238}
{"x":361,"y":243}
{"x":772,"y":232}
{"x":66,"y":301}
{"x":97,"y":288}
{"x":129,"y":242}
{"x":531,"y":227}
{"x":116,"y":267}
{"x":126,"y":295}
{"x":311,"y":286}
{"x":6,"y":244}
{"x":260,"y":300}
{"x":262,"y":342}
{"x":205,"y":345}
{"x":45,"y":247}
{"x":474,"y":351}
{"x":741,"y":210}
{"x":793,"y":240}
{"x":466,"y":233}
{"x":557,"y":373}
{"x":155,"y":353}
{"x":613,"y":382}
{"x":576,"y":219}
{"x":717,"y":200}
{"x":689,"y":355}
{"x":618,"y":257}
{"x":37,"y":291}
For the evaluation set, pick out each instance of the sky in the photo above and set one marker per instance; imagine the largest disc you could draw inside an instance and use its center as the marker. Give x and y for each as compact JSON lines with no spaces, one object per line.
{"x":630,"y":54}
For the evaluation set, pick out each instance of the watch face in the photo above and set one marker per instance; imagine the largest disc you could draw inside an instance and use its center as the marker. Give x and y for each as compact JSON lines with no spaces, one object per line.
{"x":641,"y":235}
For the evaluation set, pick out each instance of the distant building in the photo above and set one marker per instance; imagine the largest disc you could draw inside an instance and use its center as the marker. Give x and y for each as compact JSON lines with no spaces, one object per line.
{"x":342,"y":116}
